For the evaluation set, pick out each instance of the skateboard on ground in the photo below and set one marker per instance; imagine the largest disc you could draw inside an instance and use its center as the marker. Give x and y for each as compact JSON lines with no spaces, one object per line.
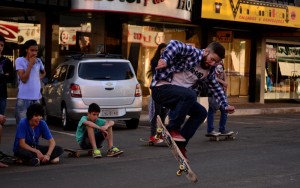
{"x":222,"y":137}
{"x":183,"y":164}
{"x":150,"y":142}
{"x":78,"y":151}
{"x":5,"y":158}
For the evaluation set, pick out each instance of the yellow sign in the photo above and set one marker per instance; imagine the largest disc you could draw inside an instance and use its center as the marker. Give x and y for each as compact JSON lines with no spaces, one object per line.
{"x":252,"y":12}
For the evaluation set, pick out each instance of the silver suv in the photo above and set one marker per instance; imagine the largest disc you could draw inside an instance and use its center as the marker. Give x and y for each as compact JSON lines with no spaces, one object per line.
{"x":107,"y":80}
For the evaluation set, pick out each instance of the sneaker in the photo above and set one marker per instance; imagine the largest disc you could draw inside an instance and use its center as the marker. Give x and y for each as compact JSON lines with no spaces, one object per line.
{"x":155,"y":140}
{"x":55,"y":160}
{"x":114,"y":151}
{"x":213,"y":133}
{"x":34,"y":162}
{"x":177,"y":136}
{"x":97,"y":153}
{"x":227,"y":133}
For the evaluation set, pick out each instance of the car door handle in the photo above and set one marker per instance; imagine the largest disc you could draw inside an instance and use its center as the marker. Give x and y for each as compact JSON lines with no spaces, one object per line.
{"x":111,"y":88}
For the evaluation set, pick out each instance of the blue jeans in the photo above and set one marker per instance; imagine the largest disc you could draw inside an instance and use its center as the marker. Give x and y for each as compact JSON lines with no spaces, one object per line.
{"x":212,"y":109}
{"x":181,"y":102}
{"x":21,"y":108}
{"x":3,"y":102}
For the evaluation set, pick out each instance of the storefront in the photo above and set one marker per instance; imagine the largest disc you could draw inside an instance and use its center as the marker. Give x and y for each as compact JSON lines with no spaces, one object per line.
{"x":243,"y":27}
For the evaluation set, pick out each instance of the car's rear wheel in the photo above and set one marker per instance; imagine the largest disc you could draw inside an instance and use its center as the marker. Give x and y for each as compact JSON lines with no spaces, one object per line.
{"x":66,"y":124}
{"x":133,"y":123}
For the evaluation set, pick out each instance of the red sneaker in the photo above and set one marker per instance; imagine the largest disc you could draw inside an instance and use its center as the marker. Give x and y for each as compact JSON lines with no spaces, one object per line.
{"x":177,"y":136}
{"x":155,"y":140}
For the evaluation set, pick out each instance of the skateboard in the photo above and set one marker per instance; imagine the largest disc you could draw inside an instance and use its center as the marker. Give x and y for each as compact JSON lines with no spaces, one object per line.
{"x":5,"y":158}
{"x":150,"y":142}
{"x":183,"y":164}
{"x":77,"y":152}
{"x":222,"y":137}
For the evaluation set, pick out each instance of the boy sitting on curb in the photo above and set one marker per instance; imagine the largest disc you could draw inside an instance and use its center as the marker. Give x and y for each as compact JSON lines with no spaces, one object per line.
{"x":92,"y":130}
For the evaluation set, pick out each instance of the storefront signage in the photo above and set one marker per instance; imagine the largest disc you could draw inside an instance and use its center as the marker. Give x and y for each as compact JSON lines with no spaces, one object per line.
{"x":224,"y":36}
{"x":180,"y":9}
{"x":136,"y":34}
{"x":20,"y":32}
{"x":252,"y":12}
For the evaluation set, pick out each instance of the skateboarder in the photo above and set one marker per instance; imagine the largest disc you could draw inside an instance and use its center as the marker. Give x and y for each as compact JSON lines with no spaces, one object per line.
{"x":177,"y":81}
{"x":29,"y":130}
{"x":214,"y":106}
{"x":92,"y":131}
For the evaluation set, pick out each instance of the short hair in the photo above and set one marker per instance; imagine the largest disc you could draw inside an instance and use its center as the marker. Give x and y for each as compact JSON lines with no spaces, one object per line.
{"x":2,"y":38}
{"x":29,"y":43}
{"x":34,"y":109}
{"x":94,"y":108}
{"x":217,"y":48}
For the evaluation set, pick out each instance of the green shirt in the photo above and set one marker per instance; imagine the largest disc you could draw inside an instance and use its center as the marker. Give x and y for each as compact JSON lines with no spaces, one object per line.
{"x":81,"y":128}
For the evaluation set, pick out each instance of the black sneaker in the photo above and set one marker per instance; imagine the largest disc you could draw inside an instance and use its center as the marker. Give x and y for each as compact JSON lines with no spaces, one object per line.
{"x":34,"y":162}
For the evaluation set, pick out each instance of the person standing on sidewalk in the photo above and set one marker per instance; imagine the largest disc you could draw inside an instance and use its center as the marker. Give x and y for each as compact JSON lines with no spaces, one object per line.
{"x":6,"y":76}
{"x":27,"y":145}
{"x":214,"y":106}
{"x":30,"y":70}
{"x":177,"y":82}
{"x":156,"y":109}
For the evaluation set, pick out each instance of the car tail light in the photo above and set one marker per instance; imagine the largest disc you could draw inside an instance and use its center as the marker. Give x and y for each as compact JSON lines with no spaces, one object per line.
{"x":138,"y":91}
{"x":75,"y":91}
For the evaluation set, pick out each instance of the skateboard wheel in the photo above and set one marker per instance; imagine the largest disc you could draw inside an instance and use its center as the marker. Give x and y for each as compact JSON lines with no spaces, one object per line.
{"x":181,"y":167}
{"x":159,"y":130}
{"x":77,"y":155}
{"x":179,"y":173}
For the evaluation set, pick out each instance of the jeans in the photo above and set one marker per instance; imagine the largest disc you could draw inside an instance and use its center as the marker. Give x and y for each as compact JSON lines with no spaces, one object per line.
{"x":27,"y":155}
{"x":3,"y":102}
{"x":212,"y":109}
{"x":159,"y":111}
{"x":181,"y":102}
{"x":21,"y":108}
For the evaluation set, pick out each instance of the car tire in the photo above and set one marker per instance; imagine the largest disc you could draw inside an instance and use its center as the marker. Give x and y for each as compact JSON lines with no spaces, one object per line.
{"x":66,"y":124}
{"x":132,"y":124}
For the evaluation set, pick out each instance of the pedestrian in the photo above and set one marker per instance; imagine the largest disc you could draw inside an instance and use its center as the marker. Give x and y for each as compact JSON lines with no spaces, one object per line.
{"x":92,"y":131}
{"x":179,"y":74}
{"x":6,"y":76}
{"x":156,"y":109}
{"x":2,"y":121}
{"x":27,"y":140}
{"x":30,"y":70}
{"x":214,"y":106}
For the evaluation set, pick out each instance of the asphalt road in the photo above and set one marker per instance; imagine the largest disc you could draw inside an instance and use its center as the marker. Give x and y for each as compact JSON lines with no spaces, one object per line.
{"x":265,"y":154}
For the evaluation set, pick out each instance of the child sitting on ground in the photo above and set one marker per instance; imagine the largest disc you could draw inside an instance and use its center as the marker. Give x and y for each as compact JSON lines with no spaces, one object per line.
{"x":92,"y":130}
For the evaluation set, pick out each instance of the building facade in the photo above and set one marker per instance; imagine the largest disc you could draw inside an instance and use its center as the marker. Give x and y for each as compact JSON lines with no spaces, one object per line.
{"x":261,"y":37}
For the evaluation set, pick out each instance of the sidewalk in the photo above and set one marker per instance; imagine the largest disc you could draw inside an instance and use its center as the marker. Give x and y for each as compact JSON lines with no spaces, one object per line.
{"x":241,"y":109}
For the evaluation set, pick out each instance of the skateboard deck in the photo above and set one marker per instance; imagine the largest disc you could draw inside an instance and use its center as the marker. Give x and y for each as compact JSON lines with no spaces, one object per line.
{"x":5,"y":158}
{"x":150,"y":142}
{"x":222,"y":137}
{"x":183,"y":164}
{"x":77,"y":152}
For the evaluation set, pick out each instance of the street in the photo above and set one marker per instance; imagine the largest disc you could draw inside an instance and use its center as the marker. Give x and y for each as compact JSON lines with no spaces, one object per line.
{"x":266,"y":153}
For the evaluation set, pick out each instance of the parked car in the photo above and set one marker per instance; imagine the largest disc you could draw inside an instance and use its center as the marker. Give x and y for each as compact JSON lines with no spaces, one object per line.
{"x":107,"y":80}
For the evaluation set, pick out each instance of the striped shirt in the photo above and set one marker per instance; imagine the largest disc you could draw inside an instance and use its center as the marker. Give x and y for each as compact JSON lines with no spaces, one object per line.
{"x":183,"y":57}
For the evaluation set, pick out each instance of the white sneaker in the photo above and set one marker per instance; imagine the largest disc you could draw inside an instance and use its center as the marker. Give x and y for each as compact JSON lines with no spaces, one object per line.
{"x":214,"y":133}
{"x":55,"y":160}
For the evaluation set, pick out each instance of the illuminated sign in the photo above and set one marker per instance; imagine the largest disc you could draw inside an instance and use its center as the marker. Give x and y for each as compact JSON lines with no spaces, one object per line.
{"x":251,"y":12}
{"x":180,"y":9}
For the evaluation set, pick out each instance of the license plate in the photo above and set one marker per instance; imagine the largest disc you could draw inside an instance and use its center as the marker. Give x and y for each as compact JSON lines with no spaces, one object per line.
{"x":109,"y":113}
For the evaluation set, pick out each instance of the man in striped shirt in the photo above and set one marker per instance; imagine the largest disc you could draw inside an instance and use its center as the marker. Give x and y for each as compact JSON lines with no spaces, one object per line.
{"x":180,"y":72}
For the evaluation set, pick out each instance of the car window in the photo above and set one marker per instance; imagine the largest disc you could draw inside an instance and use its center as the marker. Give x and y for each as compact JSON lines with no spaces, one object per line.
{"x":70,"y":73}
{"x":105,"y":71}
{"x":63,"y":73}
{"x":55,"y":75}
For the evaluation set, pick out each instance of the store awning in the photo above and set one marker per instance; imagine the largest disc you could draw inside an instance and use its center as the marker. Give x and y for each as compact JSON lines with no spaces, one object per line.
{"x":289,"y":69}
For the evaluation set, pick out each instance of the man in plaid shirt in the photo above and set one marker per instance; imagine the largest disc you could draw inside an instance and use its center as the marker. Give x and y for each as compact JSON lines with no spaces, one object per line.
{"x":177,"y":82}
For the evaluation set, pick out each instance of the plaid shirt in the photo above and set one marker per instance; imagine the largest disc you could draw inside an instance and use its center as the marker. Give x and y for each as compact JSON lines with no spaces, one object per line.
{"x":179,"y":57}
